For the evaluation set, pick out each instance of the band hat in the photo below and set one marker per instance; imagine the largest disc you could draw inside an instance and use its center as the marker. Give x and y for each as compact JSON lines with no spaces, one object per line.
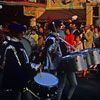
{"x":16,"y":28}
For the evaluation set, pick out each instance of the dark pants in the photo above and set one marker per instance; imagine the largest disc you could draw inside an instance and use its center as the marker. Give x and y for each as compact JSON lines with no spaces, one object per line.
{"x":65,"y":78}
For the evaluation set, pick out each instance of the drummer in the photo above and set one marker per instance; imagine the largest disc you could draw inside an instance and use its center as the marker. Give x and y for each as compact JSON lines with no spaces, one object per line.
{"x":54,"y":49}
{"x":18,"y":70}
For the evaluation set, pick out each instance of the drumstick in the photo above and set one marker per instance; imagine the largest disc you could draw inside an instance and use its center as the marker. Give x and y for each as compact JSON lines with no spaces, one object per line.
{"x":40,"y":72}
{"x":63,"y":39}
{"x":27,"y":89}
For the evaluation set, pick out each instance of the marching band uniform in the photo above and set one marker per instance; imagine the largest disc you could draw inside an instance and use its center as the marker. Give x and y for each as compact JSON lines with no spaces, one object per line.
{"x":54,"y":49}
{"x":52,"y":52}
{"x":17,"y":69}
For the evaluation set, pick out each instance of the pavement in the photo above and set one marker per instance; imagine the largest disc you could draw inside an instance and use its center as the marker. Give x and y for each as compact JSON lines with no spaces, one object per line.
{"x":88,"y":89}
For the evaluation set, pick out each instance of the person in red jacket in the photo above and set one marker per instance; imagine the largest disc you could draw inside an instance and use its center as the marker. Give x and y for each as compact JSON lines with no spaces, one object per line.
{"x":69,"y":37}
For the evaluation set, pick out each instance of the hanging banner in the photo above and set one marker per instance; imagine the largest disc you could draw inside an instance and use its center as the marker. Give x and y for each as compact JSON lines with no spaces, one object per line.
{"x":30,"y":11}
{"x":66,"y":4}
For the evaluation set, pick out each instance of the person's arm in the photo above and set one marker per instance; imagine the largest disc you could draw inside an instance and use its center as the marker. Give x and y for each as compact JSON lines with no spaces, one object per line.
{"x":48,"y":43}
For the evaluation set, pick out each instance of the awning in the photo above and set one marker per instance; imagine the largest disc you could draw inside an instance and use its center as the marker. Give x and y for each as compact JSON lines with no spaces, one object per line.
{"x":62,"y":15}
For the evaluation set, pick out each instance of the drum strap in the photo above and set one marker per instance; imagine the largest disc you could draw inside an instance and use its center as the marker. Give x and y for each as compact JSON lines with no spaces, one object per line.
{"x":15,"y":53}
{"x":26,"y":56}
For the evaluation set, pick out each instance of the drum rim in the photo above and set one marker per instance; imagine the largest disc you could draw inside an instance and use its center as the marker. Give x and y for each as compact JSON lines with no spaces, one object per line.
{"x":29,"y":44}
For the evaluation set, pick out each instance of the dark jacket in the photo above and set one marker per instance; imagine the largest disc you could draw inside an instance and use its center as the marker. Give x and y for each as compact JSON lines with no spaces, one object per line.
{"x":16,"y":76}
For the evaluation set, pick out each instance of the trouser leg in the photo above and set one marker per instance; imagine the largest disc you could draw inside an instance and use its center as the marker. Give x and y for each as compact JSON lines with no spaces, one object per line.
{"x":17,"y":96}
{"x":61,"y":85}
{"x":71,"y":77}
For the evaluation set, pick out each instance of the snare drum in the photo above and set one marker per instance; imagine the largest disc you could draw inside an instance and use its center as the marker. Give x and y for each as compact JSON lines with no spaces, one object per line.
{"x":74,"y":62}
{"x":92,"y":55}
{"x":86,"y":53}
{"x":45,"y":85}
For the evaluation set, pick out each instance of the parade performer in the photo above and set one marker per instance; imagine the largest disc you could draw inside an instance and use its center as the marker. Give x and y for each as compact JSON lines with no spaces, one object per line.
{"x":17,"y":69}
{"x":54,"y":49}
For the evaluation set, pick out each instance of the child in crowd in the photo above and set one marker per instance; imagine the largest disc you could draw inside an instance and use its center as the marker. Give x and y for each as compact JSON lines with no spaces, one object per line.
{"x":77,"y":43}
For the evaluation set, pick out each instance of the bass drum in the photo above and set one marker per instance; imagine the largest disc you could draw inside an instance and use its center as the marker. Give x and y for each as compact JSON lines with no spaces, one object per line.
{"x":32,"y":42}
{"x":27,"y":45}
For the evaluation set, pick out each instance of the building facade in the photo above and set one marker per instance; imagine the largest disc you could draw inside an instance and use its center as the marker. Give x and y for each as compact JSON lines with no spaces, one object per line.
{"x":23,"y":10}
{"x":93,"y":12}
{"x":64,"y":9}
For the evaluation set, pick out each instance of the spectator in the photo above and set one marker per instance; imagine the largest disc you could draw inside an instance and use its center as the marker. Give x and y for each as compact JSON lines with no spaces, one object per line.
{"x":34,"y":35}
{"x":62,"y":32}
{"x":96,"y":37}
{"x":69,"y":37}
{"x":77,"y":43}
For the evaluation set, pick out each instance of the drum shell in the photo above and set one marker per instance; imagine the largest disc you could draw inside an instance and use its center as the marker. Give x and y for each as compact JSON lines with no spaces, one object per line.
{"x":95,"y":57}
{"x":27,"y":45}
{"x":74,"y":63}
{"x":42,"y":91}
{"x":87,"y":56}
{"x":92,"y":56}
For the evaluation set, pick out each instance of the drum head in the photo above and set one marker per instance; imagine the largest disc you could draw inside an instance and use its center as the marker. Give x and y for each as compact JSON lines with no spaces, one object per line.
{"x":27,"y":46}
{"x":46,"y":79}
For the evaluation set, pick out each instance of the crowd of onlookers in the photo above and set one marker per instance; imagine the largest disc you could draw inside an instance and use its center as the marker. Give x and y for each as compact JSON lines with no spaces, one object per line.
{"x":72,"y":32}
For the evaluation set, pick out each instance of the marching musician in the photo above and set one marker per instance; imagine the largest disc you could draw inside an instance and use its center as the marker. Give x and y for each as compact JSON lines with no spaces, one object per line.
{"x":54,"y":49}
{"x":17,"y":69}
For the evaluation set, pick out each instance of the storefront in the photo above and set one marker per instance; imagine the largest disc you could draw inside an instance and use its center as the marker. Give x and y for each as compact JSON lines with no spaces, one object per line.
{"x":63,"y":15}
{"x":58,"y":10}
{"x":22,"y":11}
{"x":93,"y":13}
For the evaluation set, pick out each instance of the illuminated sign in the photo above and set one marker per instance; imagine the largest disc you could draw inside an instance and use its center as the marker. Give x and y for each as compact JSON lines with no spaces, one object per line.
{"x":30,"y":11}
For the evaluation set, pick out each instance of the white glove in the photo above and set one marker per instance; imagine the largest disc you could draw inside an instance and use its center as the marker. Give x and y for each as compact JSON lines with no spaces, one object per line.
{"x":35,"y":66}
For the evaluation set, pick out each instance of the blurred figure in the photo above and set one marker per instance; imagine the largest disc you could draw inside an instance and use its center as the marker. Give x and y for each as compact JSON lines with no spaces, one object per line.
{"x":34,"y":35}
{"x":69,"y":37}
{"x":88,"y":37}
{"x":87,"y":41}
{"x":75,"y":31}
{"x":75,"y":21}
{"x":96,"y":36}
{"x":92,"y":28}
{"x":62,"y":32}
{"x":40,"y":37}
{"x":77,"y":43}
